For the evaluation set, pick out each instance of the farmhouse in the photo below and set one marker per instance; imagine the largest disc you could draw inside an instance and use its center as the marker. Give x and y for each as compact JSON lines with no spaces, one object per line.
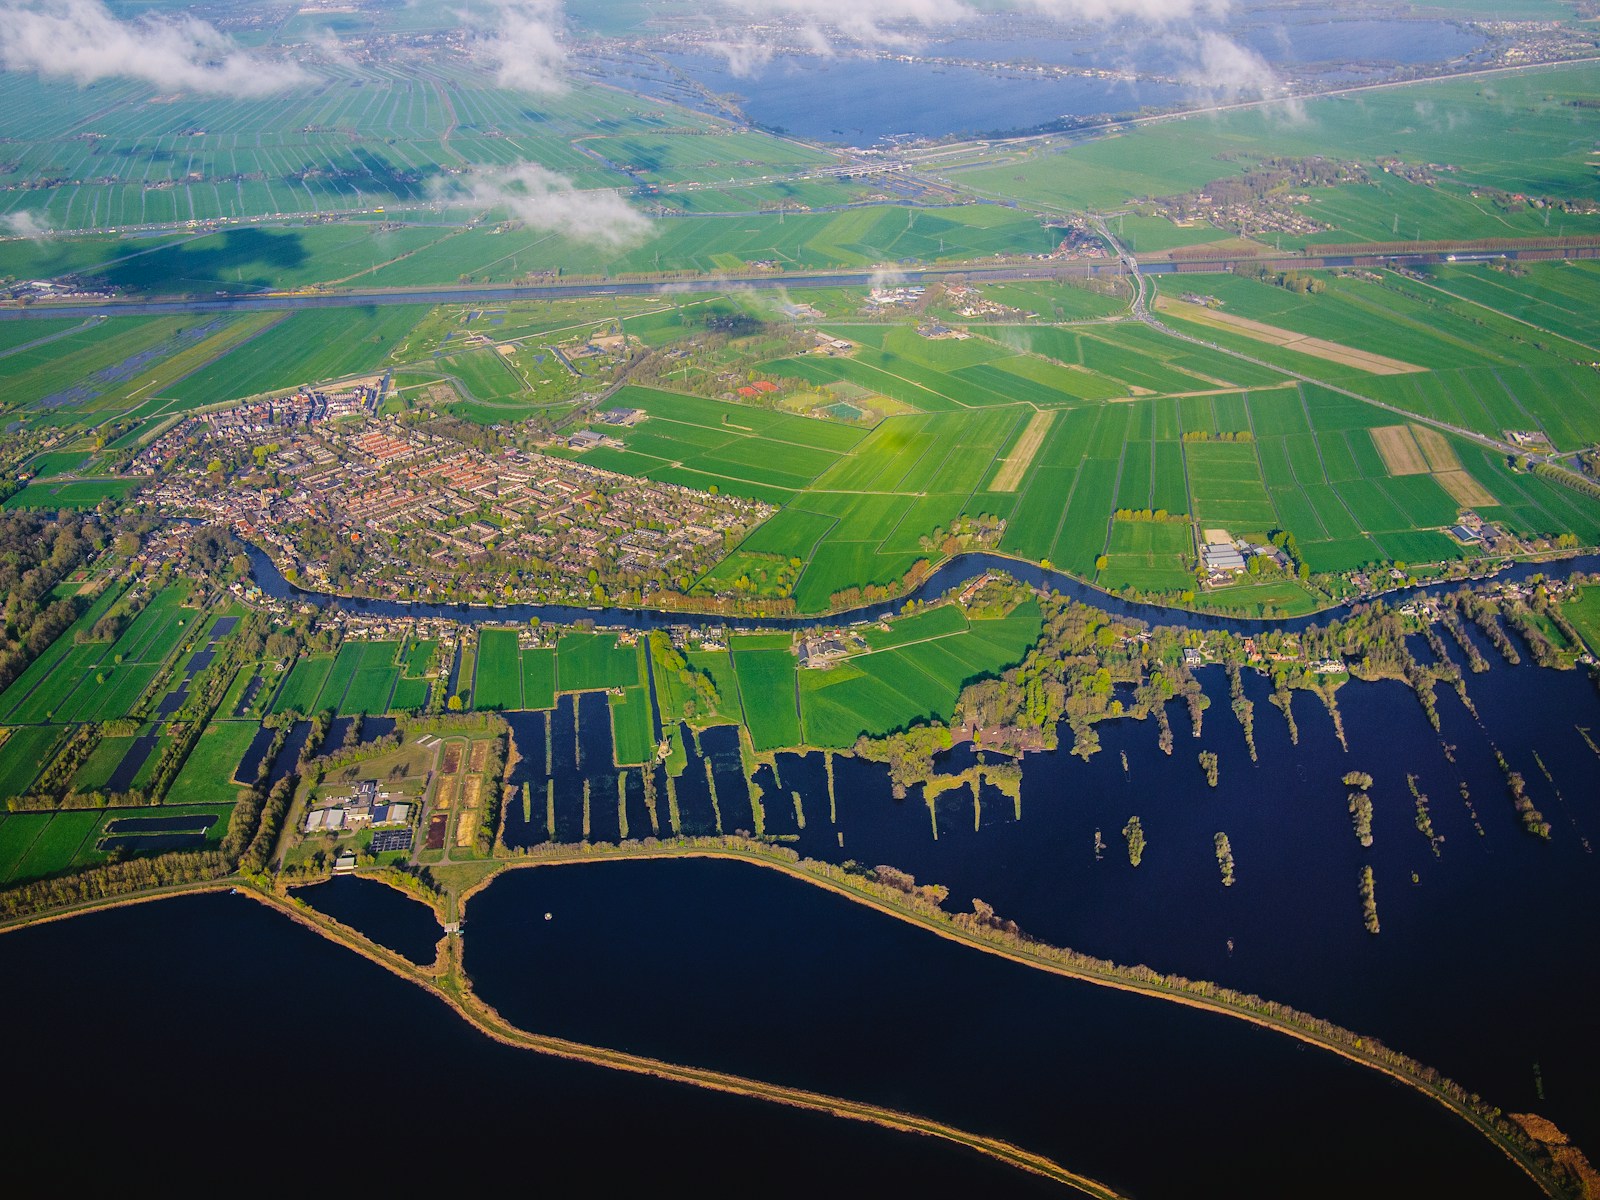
{"x":1221,"y":556}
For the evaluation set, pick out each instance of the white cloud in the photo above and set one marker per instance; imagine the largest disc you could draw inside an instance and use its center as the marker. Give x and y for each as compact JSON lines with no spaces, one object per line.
{"x":867,"y":22}
{"x":330,"y":49}
{"x":1229,"y":72}
{"x":745,"y":59}
{"x":543,"y":199}
{"x":524,"y":47}
{"x":886,"y":22}
{"x":25,"y":225}
{"x":81,"y":40}
{"x":1150,"y":11}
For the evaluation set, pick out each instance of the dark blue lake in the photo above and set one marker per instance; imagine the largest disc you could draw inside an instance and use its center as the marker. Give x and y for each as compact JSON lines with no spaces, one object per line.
{"x":731,"y":966}
{"x":869,"y":100}
{"x":387,"y":916}
{"x":864,"y":100}
{"x":1483,"y":967}
{"x":157,"y":1002}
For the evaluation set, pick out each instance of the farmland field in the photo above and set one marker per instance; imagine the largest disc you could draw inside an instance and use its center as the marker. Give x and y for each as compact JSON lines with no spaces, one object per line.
{"x":304,"y":685}
{"x":23,"y":754}
{"x":499,"y":679}
{"x":587,"y":662}
{"x":79,"y":493}
{"x":207,"y":774}
{"x":913,"y":674}
{"x":303,"y":348}
{"x":766,"y":675}
{"x":53,"y":841}
{"x":631,"y":727}
{"x":539,"y":678}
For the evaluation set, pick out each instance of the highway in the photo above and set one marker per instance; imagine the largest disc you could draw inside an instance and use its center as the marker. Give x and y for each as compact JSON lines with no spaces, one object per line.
{"x":977,"y":272}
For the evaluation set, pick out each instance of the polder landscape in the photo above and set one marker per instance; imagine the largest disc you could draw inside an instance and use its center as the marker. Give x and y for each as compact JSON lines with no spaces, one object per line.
{"x":997,"y":597}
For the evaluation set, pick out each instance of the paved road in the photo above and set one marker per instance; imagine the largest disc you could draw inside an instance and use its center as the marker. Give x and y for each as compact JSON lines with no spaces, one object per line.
{"x":485,"y":294}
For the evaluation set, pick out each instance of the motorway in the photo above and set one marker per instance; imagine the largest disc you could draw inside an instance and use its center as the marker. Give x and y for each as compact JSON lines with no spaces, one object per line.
{"x":977,"y":272}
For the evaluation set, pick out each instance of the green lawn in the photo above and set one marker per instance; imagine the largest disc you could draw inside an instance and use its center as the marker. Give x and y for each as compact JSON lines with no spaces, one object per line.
{"x":305,"y":682}
{"x":913,"y":675}
{"x":767,"y":689}
{"x":1584,"y":613}
{"x":539,"y":678}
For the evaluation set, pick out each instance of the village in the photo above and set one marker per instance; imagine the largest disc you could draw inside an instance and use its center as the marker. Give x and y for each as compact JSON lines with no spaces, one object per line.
{"x":391,"y":509}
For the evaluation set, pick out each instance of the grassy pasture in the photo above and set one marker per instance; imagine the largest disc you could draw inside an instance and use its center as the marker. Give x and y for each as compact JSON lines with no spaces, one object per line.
{"x":23,"y":755}
{"x":102,"y":762}
{"x":1149,"y":555}
{"x":79,"y":493}
{"x":207,"y":774}
{"x":306,"y":347}
{"x":539,"y":678}
{"x":409,"y":694}
{"x":1225,"y":478}
{"x":632,"y":734}
{"x":1583,"y":611}
{"x":372,"y":686}
{"x":766,"y":681}
{"x":1458,"y":121}
{"x":56,"y":842}
{"x":304,"y":685}
{"x":587,"y":662}
{"x":912,"y":673}
{"x":498,"y":683}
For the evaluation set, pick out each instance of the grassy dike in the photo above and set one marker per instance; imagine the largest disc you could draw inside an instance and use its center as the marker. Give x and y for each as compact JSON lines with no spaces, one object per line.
{"x":981,"y":931}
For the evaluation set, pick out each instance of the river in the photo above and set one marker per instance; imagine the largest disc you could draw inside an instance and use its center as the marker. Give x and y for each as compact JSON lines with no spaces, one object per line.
{"x":955,"y":572}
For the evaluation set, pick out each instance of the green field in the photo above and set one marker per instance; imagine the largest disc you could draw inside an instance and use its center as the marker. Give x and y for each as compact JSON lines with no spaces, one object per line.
{"x":766,"y":681}
{"x":23,"y":755}
{"x":587,"y":662}
{"x":75,"y":680}
{"x":1584,"y":613}
{"x":304,"y":685}
{"x":306,"y":347}
{"x":79,"y":493}
{"x":631,"y":727}
{"x":498,"y":683}
{"x":207,"y":774}
{"x":1148,"y":555}
{"x":914,"y":673}
{"x":1446,"y":121}
{"x":410,"y":695}
{"x":539,"y":678}
{"x":50,"y":842}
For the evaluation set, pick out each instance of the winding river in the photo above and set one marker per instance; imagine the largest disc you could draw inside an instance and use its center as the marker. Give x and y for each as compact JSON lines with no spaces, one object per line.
{"x":958,"y":570}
